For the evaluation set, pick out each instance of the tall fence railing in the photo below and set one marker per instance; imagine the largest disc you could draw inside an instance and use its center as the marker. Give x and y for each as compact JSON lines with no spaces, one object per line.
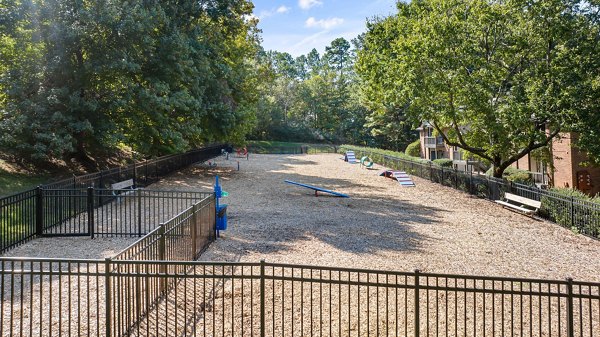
{"x":27,"y":214}
{"x":99,"y":212}
{"x":167,"y":298}
{"x":579,"y":215}
{"x":143,"y":173}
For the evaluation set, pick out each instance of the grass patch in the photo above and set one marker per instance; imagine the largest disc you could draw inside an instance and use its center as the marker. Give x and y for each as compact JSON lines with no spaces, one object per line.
{"x":269,"y":143}
{"x":373,"y":152}
{"x":11,"y":183}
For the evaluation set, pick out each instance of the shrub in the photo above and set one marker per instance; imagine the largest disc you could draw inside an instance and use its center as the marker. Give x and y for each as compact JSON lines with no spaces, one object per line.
{"x":557,"y":205}
{"x":515,"y":175}
{"x":443,"y":162}
{"x":414,"y":149}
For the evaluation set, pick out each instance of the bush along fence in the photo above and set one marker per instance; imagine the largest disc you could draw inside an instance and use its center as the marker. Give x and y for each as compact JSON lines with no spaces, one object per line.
{"x":185,"y":298}
{"x":85,"y":206}
{"x":303,"y":149}
{"x":581,"y":216}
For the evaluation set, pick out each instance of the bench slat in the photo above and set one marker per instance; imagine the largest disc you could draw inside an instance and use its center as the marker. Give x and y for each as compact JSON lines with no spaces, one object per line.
{"x":524,"y":210}
{"x":122,"y":184}
{"x":523,"y":200}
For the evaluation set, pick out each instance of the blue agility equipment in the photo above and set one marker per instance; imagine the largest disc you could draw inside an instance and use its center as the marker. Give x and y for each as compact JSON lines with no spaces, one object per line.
{"x":317,"y":189}
{"x":350,"y":157}
{"x":221,"y":210}
{"x":400,"y":176}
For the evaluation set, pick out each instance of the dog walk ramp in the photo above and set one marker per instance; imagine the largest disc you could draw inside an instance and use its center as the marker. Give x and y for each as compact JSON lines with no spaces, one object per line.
{"x":400,"y":176}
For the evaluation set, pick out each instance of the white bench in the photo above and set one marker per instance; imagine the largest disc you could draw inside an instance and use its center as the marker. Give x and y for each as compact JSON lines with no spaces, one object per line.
{"x":524,"y":205}
{"x":122,"y":185}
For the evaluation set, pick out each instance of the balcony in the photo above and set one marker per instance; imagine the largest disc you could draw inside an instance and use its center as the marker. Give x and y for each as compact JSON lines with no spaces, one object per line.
{"x":457,"y":155}
{"x":434,"y":142}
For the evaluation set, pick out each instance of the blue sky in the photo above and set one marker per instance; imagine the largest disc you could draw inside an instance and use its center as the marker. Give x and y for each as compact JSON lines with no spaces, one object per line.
{"x":298,"y":26}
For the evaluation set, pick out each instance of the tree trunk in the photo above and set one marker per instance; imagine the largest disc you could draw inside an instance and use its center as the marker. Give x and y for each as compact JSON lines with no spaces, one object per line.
{"x":497,"y":170}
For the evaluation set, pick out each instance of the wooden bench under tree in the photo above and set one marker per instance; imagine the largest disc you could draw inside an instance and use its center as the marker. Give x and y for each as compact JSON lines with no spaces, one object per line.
{"x":524,"y":205}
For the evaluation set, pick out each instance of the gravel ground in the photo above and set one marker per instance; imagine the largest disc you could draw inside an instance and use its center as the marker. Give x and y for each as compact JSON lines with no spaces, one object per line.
{"x":383,"y":225}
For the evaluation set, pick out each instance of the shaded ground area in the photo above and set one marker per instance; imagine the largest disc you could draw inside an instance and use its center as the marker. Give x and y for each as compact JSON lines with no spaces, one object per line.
{"x":382,"y":226}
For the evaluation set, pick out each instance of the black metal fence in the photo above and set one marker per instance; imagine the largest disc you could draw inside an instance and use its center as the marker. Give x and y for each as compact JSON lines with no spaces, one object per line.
{"x":98,"y":212}
{"x":166,"y":298}
{"x":579,"y":215}
{"x":45,"y":209}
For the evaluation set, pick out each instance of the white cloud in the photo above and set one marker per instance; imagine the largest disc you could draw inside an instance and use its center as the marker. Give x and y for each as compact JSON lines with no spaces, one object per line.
{"x":250,"y":17}
{"x":324,"y":23}
{"x":283,"y":9}
{"x":307,"y":4}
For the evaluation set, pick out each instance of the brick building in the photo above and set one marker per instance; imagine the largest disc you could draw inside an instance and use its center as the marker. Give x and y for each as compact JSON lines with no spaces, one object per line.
{"x":567,"y":161}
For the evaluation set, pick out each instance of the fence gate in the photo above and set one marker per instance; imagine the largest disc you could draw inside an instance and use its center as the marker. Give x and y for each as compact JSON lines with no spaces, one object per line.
{"x":65,"y":212}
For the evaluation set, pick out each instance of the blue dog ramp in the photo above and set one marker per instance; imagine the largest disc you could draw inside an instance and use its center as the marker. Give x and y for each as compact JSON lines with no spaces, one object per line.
{"x":317,"y":189}
{"x":350,"y":157}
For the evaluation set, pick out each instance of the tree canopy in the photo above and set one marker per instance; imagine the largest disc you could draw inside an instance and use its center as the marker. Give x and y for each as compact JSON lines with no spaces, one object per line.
{"x":77,"y":77}
{"x":496,"y":78}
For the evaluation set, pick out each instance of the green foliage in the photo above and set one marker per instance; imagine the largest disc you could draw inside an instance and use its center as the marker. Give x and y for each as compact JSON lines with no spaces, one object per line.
{"x":515,"y":175}
{"x":11,"y":183}
{"x":414,"y":149}
{"x":498,"y":79}
{"x":377,"y":154}
{"x":161,"y":76}
{"x":443,"y":162}
{"x":317,"y":98}
{"x":558,"y":206}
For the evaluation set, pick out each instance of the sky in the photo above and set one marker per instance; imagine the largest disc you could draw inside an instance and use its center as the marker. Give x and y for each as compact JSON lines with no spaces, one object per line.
{"x":298,"y":26}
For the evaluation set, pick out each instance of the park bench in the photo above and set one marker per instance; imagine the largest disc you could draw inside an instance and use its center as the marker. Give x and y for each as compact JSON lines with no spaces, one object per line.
{"x":122,"y":185}
{"x":524,"y":205}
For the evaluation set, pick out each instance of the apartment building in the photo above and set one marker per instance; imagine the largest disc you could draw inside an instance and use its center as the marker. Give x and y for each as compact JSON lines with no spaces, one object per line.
{"x":569,"y":169}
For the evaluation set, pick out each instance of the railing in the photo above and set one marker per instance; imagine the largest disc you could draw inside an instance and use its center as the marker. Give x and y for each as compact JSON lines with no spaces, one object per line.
{"x":98,"y":212}
{"x":579,"y":215}
{"x":432,"y":142}
{"x":166,"y":298}
{"x":23,"y":216}
{"x":183,"y":238}
{"x":457,"y":155}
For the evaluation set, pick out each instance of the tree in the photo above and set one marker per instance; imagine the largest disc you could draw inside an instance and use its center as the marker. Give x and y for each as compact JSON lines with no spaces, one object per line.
{"x":498,"y":79}
{"x":84,"y":77}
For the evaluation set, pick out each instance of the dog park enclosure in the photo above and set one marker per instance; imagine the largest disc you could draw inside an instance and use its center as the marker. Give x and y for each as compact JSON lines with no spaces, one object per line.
{"x":307,"y":284}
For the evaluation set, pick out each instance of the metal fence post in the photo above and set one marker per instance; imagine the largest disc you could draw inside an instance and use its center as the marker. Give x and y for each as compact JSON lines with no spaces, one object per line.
{"x":570,"y":320}
{"x":90,"y":210}
{"x":442,"y":175}
{"x":107,"y":292}
{"x":161,"y":242}
{"x":430,"y":172}
{"x":572,"y":211}
{"x":39,"y":211}
{"x":194,"y":231}
{"x":471,"y":182}
{"x":139,"y":202}
{"x":417,"y":313}
{"x":262,"y":298}
{"x":455,"y":178}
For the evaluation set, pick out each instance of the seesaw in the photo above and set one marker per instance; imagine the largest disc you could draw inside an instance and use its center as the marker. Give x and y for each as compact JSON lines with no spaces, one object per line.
{"x":317,"y":189}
